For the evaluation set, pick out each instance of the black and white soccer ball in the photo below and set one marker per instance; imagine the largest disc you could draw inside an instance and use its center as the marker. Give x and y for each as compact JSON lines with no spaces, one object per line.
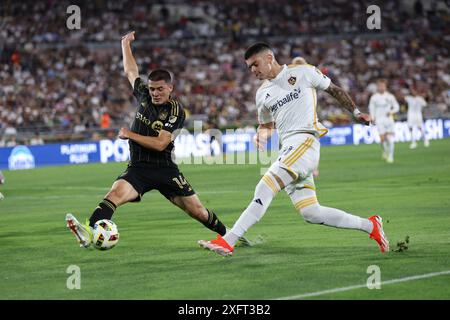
{"x":105,"y":234}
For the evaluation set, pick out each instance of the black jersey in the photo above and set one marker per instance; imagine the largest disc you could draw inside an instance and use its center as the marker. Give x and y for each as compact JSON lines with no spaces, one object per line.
{"x":149,"y":120}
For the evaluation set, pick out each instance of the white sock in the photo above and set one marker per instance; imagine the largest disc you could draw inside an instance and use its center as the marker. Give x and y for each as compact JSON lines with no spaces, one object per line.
{"x":413,"y":136}
{"x":254,"y":212}
{"x":385,"y":147}
{"x":391,"y":147}
{"x":335,"y":218}
{"x":424,"y":134}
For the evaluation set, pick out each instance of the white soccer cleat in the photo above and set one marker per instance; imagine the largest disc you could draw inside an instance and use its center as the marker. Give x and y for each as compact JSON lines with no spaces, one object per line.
{"x":82,"y":232}
{"x":426,"y":143}
{"x":413,"y":145}
{"x":390,"y":159}
{"x":2,"y":196}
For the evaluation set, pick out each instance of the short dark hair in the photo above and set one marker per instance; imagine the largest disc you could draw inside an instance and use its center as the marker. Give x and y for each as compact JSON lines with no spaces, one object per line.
{"x":256,"y":48}
{"x":160,"y":74}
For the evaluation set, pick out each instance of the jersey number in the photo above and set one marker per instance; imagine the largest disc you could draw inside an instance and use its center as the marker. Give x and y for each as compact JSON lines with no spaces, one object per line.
{"x":181,"y":181}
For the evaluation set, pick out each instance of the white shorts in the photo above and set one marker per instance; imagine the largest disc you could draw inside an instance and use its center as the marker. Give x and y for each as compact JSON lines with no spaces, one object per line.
{"x":385,"y":126}
{"x":299,"y":156}
{"x":415,"y":121}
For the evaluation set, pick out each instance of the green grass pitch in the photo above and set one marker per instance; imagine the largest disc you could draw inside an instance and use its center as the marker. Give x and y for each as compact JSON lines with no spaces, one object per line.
{"x":158,"y":257}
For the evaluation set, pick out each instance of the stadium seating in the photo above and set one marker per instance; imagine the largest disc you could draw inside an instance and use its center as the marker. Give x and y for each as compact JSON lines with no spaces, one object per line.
{"x":61,"y":82}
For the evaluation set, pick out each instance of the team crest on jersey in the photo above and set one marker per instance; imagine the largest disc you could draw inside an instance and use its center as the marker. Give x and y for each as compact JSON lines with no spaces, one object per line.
{"x":172,"y":119}
{"x":292,"y":80}
{"x":163,"y":115}
{"x":157,"y":126}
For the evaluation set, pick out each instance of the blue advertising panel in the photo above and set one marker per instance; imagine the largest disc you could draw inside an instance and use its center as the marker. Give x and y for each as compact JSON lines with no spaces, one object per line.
{"x":198,"y":145}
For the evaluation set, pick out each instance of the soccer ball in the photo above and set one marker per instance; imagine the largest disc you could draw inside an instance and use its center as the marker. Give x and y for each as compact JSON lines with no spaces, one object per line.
{"x":106,"y":234}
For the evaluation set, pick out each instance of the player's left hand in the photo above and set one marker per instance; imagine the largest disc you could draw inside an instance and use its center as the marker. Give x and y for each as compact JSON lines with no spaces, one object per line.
{"x":364,"y":118}
{"x":124,"y":133}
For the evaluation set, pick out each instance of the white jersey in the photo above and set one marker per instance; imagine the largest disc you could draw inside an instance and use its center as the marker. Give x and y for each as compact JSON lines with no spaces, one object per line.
{"x":415,"y":106}
{"x":290,"y":100}
{"x":382,"y":106}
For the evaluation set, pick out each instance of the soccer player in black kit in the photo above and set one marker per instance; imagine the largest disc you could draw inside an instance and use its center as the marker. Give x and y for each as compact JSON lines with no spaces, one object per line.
{"x":151,"y":146}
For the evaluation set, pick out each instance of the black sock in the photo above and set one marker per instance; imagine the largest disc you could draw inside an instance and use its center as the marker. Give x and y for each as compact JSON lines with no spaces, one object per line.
{"x":104,"y":210}
{"x":215,"y":224}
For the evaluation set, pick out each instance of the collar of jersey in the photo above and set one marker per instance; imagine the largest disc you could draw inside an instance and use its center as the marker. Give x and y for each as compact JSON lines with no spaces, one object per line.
{"x":280,"y":74}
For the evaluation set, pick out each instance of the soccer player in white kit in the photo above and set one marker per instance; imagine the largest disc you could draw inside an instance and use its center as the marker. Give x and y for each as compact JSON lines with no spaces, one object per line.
{"x":415,"y":120}
{"x":302,"y":61}
{"x":287,"y":98}
{"x":382,"y":107}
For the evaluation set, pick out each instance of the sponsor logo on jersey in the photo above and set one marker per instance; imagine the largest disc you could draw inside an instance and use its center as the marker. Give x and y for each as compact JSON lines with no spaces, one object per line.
{"x":142,"y":118}
{"x":293,"y":95}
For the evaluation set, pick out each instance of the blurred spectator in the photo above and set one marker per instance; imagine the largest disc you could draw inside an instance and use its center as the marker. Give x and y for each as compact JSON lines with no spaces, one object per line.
{"x":10,"y":130}
{"x":105,"y":121}
{"x":37,"y":140}
{"x":11,"y":142}
{"x":55,"y":80}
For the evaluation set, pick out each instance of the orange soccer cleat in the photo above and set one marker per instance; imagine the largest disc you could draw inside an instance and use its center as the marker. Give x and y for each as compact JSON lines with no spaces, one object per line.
{"x":378,"y":233}
{"x":218,"y":245}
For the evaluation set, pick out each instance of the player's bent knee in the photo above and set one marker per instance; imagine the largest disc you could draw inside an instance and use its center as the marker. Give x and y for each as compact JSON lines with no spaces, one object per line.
{"x":267,"y":182}
{"x":121,"y":192}
{"x":311,"y":214}
{"x":115,"y":196}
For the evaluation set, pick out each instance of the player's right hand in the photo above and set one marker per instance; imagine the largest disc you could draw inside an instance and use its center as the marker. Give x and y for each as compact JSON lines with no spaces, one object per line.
{"x":256,"y":142}
{"x":128,"y":37}
{"x":364,"y":118}
{"x":124,"y":133}
{"x":259,"y":141}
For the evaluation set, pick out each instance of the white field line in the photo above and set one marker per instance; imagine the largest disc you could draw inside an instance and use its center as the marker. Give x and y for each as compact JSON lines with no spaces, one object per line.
{"x":383,"y":283}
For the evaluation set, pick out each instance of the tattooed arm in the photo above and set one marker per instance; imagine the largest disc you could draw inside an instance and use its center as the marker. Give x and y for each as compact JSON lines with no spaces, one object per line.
{"x":346,"y":102}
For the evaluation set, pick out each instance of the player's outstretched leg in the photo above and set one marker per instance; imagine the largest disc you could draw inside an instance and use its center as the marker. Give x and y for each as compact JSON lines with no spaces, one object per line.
{"x":82,"y":232}
{"x":104,"y":210}
{"x":265,"y":191}
{"x":193,"y":206}
{"x":121,"y":192}
{"x":305,"y":201}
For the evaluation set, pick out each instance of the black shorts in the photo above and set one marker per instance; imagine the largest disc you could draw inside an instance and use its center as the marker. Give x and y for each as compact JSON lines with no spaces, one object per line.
{"x":169,"y":181}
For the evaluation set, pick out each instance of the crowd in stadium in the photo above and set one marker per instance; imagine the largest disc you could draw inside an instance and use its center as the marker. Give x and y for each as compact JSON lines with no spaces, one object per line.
{"x":52,"y":78}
